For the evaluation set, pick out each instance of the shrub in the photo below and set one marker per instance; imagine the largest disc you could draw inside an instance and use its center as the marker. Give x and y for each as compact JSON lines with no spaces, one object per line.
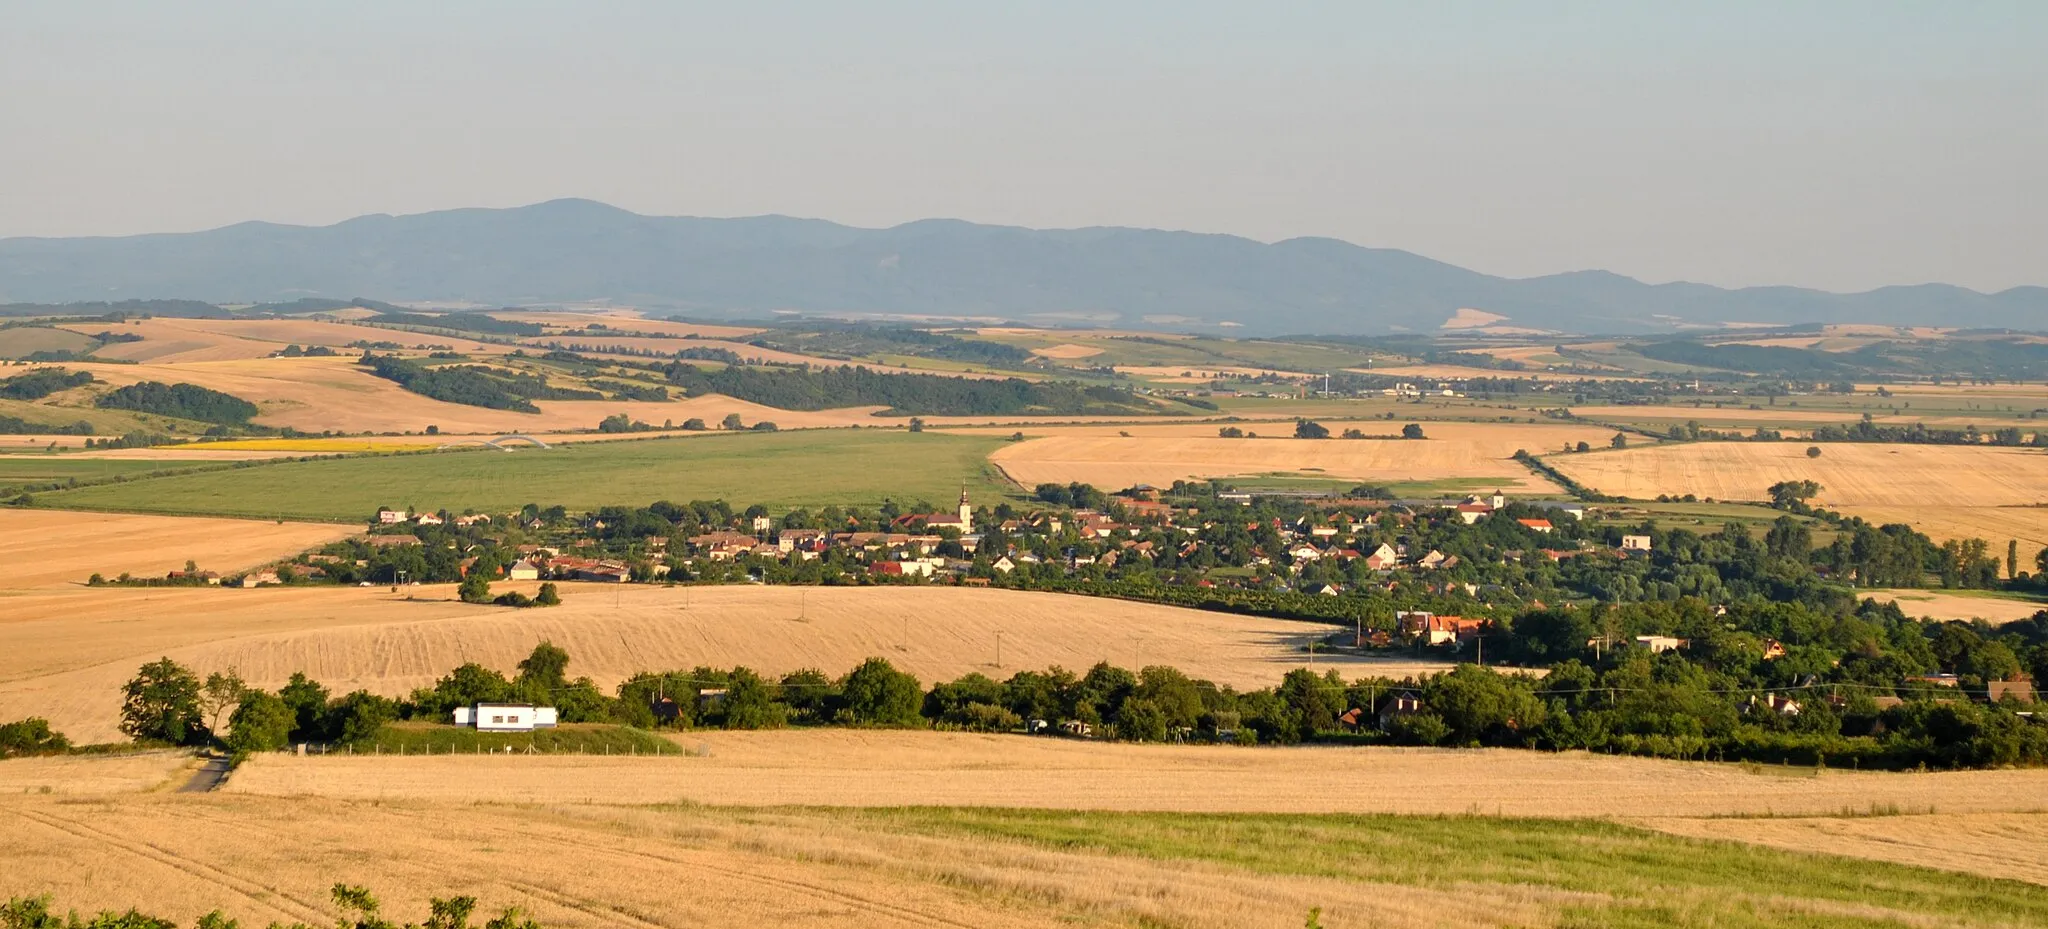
{"x":263,"y":723}
{"x":31,"y":736}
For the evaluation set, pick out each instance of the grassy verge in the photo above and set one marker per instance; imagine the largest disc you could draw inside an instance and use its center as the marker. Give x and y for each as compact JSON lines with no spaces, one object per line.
{"x":1625,"y":876}
{"x":586,"y":739}
{"x":782,"y":470}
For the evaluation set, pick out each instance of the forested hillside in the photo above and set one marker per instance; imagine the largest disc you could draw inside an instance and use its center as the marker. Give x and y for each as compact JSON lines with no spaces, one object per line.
{"x":796,"y":388}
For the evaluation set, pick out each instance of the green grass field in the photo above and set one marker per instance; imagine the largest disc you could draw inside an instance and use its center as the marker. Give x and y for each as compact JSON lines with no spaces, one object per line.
{"x":414,"y":738}
{"x":781,"y":470}
{"x":1595,"y":873}
{"x":42,"y":468}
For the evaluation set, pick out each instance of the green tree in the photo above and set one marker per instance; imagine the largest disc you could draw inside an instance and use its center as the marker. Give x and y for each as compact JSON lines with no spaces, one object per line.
{"x":917,"y":424}
{"x":877,"y":694}
{"x":731,"y":421}
{"x":476,"y":588}
{"x":262,"y":723}
{"x":308,"y":702}
{"x":750,"y":704}
{"x":1412,"y":431}
{"x":222,"y":692}
{"x":1620,"y":440}
{"x":358,"y":716}
{"x":545,"y":668}
{"x":1141,"y":720}
{"x":162,"y":703}
{"x":1310,"y":429}
{"x":548,"y":595}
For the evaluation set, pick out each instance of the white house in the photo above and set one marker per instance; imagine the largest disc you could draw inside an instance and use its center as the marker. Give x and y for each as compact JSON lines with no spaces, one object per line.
{"x":523,"y":570}
{"x":505,"y":717}
{"x":391,"y":517}
{"x":1635,"y":543}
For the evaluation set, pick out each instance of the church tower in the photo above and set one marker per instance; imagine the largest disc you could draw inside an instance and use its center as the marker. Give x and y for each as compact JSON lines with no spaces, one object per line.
{"x":966,"y":513}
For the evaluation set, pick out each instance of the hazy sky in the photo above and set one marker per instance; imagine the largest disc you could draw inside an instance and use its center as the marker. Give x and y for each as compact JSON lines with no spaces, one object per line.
{"x":1838,"y":145}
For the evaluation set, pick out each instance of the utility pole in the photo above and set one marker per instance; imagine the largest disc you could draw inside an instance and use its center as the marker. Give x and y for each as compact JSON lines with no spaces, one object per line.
{"x":999,"y":648}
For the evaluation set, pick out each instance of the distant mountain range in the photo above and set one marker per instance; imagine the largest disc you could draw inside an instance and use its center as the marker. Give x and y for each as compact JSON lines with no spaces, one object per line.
{"x":573,"y":251}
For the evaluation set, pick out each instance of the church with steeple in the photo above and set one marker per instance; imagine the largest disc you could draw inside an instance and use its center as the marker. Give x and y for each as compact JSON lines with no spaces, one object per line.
{"x":963,"y":522}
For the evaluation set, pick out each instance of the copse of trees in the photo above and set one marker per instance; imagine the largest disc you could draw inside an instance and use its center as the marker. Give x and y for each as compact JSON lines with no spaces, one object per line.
{"x":472,"y":385}
{"x":40,"y":383}
{"x":184,"y":401}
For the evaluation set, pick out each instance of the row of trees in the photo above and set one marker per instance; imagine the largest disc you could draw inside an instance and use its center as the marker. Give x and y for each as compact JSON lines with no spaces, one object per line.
{"x":1722,"y":699}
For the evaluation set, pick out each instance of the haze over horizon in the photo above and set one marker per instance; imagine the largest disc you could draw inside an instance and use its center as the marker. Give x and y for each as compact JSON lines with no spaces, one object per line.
{"x":1840,"y":146}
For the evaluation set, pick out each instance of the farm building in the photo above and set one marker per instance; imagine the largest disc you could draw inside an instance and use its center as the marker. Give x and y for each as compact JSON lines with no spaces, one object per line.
{"x":506,"y":717}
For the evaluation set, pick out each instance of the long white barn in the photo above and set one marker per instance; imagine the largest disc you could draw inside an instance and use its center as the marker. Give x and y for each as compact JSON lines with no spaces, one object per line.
{"x":505,"y":717}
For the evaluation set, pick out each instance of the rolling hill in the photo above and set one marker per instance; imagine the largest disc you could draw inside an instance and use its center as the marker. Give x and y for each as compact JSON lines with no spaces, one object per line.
{"x":579,"y":250}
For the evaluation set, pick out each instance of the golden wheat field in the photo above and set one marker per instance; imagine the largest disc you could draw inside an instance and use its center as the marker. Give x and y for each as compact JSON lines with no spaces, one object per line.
{"x":1850,"y":474}
{"x":1199,"y":374}
{"x":1946,"y":491}
{"x":41,"y":548}
{"x":569,"y":323}
{"x":1460,"y":372}
{"x":577,"y":866}
{"x":811,"y":829}
{"x":670,"y":346}
{"x":1163,"y":454}
{"x":2027,"y":525}
{"x":321,"y":394}
{"x":64,"y":654}
{"x":1933,"y":604}
{"x":867,"y":768}
{"x":164,"y":341}
{"x":37,"y":442}
{"x":1067,"y":351}
{"x":180,"y":341}
{"x":2008,"y":844}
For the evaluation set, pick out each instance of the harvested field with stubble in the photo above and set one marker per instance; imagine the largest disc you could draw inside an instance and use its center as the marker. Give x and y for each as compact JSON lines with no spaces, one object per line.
{"x":43,"y":548}
{"x":1935,"y":604}
{"x":879,"y":768}
{"x":1161,"y":455}
{"x":1946,"y":491}
{"x":2011,"y":845}
{"x":65,"y":654}
{"x":322,"y":394}
{"x":620,"y":859}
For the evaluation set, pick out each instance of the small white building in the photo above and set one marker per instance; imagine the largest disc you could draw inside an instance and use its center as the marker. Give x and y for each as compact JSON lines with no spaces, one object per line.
{"x":1635,"y":543}
{"x":505,"y":717}
{"x":392,"y":517}
{"x":523,"y":570}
